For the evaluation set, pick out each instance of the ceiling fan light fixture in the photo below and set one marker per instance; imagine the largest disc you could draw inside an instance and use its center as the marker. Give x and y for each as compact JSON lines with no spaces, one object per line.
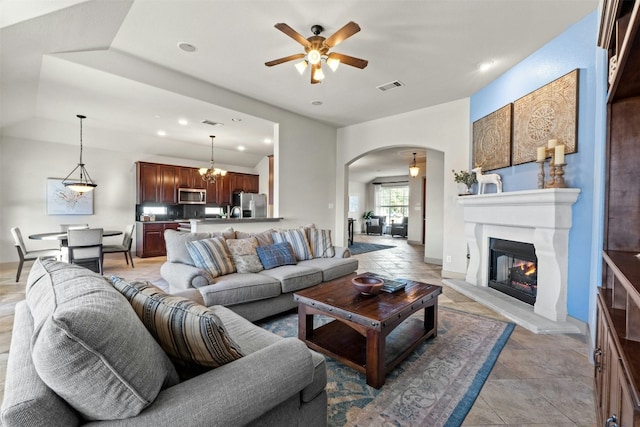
{"x":314,"y":57}
{"x":301,"y":66}
{"x":318,"y":74}
{"x":414,"y":170}
{"x":333,"y":63}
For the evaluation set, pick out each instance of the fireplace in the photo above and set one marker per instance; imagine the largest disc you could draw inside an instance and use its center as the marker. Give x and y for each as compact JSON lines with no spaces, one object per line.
{"x":513,"y":269}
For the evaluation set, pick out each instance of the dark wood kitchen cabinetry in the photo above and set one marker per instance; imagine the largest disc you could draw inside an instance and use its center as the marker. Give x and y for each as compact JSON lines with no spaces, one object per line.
{"x":156,"y":183}
{"x":190,"y":178}
{"x":617,"y":348}
{"x":150,"y":238}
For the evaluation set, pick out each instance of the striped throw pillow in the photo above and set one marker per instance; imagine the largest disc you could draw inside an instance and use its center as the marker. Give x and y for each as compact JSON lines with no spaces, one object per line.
{"x":321,"y":245}
{"x":272,"y":256}
{"x":193,"y":337}
{"x":298,"y":240}
{"x":212,"y":256}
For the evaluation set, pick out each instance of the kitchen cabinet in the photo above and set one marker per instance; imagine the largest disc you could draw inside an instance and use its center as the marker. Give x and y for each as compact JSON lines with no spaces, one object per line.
{"x":156,"y":183}
{"x":190,"y":178}
{"x":150,"y":238}
{"x":617,"y":350}
{"x":244,"y":182}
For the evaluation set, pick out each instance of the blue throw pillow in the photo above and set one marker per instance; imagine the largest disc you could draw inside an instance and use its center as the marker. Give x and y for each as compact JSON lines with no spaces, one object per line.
{"x":272,"y":256}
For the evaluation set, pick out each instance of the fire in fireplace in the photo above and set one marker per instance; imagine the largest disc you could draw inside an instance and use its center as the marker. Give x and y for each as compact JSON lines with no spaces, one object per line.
{"x":513,"y":269}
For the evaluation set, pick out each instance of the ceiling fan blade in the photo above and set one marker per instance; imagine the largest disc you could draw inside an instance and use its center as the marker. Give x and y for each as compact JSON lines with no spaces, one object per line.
{"x":285,"y":59}
{"x":342,"y":34}
{"x":349,"y":60}
{"x":293,"y":34}
{"x":314,"y":67}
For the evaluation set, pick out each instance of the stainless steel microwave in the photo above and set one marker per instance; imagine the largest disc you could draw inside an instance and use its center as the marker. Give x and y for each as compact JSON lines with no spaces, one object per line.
{"x":192,"y":196}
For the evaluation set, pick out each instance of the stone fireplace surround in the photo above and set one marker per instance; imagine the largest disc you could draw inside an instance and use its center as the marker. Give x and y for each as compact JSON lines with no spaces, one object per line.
{"x":540,"y":217}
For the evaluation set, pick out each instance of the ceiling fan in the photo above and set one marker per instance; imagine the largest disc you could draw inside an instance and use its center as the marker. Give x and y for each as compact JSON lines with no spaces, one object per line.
{"x":317,"y":48}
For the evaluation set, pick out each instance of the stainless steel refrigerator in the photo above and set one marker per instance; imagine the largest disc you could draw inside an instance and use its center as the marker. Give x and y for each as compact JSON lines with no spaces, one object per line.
{"x":253,"y":205}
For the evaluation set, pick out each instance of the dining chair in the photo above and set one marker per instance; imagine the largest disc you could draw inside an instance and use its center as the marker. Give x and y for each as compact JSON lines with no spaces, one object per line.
{"x":85,"y":248}
{"x":26,"y":255}
{"x":124,"y":247}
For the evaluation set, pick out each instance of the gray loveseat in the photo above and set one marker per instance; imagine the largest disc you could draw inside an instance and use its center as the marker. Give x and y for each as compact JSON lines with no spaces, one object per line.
{"x":252,"y":295}
{"x":80,"y":336}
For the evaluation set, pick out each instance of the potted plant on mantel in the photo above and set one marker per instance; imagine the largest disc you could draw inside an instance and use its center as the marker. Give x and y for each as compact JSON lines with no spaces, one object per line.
{"x":465,"y":180}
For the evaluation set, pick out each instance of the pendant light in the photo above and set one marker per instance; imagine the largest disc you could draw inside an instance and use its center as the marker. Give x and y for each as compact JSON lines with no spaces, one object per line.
{"x":211,"y":175}
{"x":414,"y":170}
{"x":85,"y":184}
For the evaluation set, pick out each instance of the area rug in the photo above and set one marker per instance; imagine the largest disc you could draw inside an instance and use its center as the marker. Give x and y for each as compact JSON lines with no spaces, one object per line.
{"x":436,"y":386}
{"x":361,"y":248}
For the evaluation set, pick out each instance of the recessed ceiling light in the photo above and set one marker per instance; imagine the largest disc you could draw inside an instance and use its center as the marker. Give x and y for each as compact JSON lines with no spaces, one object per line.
{"x":161,"y":133}
{"x":485,"y":66}
{"x":267,"y":140}
{"x":187,"y":47}
{"x":316,"y":103}
{"x":183,"y":122}
{"x":241,"y":148}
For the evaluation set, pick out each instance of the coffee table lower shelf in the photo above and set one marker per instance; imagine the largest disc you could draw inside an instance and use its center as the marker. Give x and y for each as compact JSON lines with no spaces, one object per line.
{"x":343,"y":343}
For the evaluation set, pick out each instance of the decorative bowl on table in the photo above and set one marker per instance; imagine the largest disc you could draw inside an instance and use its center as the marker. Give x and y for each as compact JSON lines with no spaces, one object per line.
{"x":367,"y":285}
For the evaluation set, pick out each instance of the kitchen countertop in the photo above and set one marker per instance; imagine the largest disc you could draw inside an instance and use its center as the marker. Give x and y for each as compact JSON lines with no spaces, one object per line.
{"x":215,"y":220}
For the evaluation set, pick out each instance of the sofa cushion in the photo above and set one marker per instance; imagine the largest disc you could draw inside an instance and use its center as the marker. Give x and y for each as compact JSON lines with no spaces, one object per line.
{"x":89,"y":346}
{"x":212,"y":256}
{"x":239,"y":288}
{"x":264,"y":238}
{"x":27,"y":399}
{"x":227,"y":233}
{"x":295,"y":277}
{"x":191,"y":334}
{"x":332,"y":268}
{"x":175,"y":243}
{"x":298,"y":240}
{"x":244,"y":255}
{"x":320,"y":242}
{"x":275,"y":255}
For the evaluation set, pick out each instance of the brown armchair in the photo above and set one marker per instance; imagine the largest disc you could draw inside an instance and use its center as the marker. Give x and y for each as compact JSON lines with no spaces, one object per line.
{"x":375,"y":225}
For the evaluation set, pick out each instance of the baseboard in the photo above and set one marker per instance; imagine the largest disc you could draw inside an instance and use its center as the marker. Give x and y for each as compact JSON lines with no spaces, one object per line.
{"x":436,"y":261}
{"x":453,"y":275}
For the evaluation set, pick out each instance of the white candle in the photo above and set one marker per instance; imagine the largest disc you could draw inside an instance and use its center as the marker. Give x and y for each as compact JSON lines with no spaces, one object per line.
{"x":542,"y":154}
{"x":552,"y":143}
{"x":559,"y":154}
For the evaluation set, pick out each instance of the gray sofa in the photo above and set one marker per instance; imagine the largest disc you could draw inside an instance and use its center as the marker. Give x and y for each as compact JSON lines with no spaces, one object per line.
{"x":252,"y":295}
{"x":76,"y":334}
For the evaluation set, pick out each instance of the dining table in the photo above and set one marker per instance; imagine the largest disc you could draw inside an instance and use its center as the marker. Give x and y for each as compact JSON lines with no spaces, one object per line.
{"x":62,"y":237}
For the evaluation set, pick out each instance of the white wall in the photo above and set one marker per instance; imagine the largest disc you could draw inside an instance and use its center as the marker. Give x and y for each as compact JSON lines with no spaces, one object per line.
{"x":359,"y":190}
{"x":434,"y":208}
{"x":444,"y":128}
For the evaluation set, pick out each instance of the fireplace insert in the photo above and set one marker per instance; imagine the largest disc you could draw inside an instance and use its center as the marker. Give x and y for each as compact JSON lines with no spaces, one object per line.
{"x":513,"y":269}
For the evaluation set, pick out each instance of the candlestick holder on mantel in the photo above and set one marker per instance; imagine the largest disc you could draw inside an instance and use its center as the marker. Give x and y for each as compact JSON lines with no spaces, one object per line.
{"x":556,"y":171}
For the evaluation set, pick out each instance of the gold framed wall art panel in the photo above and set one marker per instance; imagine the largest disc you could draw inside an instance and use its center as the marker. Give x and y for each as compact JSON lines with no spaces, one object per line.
{"x":492,"y":140}
{"x":550,"y":112}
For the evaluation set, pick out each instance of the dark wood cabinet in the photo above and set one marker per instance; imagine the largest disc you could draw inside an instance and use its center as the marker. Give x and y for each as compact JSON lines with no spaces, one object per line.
{"x":617,"y":347}
{"x":159,"y":183}
{"x":150,"y":238}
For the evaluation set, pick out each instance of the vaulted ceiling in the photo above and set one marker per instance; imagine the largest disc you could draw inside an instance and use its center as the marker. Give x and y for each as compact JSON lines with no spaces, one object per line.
{"x":434,"y":47}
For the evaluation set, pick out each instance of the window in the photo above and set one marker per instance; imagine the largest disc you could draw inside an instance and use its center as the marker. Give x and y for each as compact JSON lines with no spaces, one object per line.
{"x":392,"y":201}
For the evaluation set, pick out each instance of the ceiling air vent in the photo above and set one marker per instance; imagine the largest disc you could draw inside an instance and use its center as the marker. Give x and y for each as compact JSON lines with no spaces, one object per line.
{"x":391,"y":85}
{"x":211,"y":122}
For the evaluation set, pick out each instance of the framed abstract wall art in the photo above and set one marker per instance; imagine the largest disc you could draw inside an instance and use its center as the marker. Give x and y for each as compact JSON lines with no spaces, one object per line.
{"x":492,"y":140}
{"x":550,"y":112}
{"x":62,"y":201}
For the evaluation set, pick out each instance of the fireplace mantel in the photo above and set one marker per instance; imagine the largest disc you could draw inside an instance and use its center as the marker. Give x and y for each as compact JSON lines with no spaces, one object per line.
{"x":540,"y":217}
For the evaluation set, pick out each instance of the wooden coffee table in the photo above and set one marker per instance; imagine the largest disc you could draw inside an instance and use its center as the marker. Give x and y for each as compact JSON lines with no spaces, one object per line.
{"x":370,"y":333}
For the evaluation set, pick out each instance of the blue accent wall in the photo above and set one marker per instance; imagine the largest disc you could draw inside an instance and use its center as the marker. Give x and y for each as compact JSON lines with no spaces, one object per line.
{"x":575,"y":48}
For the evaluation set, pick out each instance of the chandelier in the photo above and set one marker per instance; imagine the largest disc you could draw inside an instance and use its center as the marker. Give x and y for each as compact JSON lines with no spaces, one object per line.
{"x":414,"y":170}
{"x":211,"y":175}
{"x":85,"y":184}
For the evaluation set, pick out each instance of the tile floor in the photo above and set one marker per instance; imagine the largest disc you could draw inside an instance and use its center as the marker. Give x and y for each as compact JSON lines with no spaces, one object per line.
{"x":539,"y":380}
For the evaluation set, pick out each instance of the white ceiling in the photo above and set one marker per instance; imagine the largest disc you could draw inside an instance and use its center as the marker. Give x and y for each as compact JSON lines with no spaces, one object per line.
{"x":433,"y":46}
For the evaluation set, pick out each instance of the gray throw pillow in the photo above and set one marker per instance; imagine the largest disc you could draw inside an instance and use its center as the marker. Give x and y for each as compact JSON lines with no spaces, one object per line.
{"x":89,"y":345}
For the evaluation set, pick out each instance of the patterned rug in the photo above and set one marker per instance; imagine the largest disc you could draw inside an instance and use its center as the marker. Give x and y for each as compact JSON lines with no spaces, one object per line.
{"x":361,"y":248}
{"x":435,"y":386}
